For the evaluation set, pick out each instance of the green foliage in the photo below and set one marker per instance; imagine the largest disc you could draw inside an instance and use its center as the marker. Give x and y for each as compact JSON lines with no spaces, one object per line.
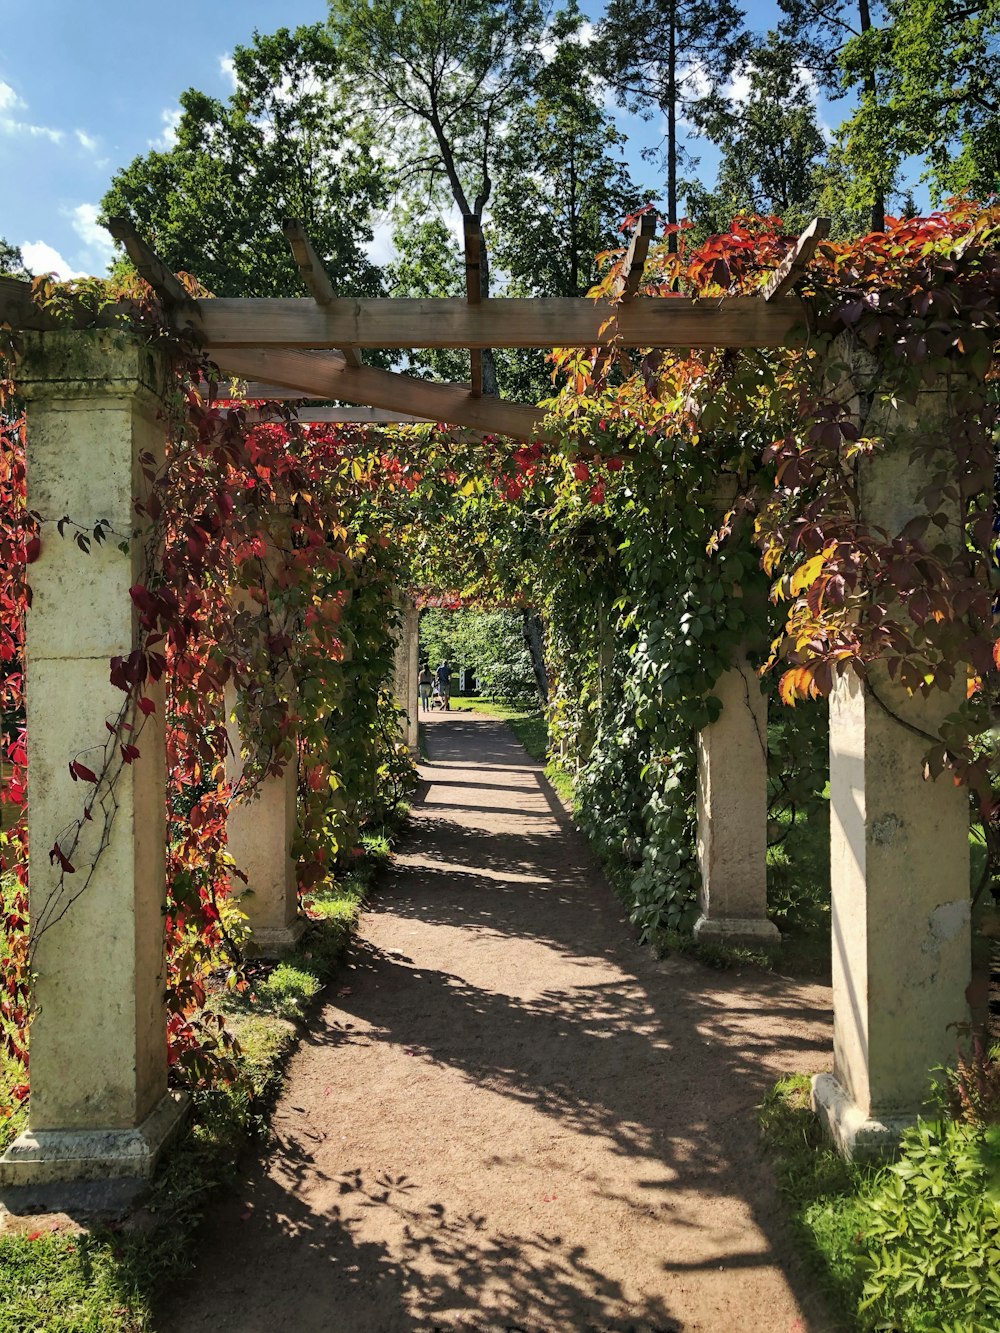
{"x":821,"y":1190}
{"x":490,"y":643}
{"x":12,"y":261}
{"x":931,"y":1228}
{"x":281,"y":147}
{"x":936,"y":63}
{"x":912,"y":1247}
{"x":771,"y":145}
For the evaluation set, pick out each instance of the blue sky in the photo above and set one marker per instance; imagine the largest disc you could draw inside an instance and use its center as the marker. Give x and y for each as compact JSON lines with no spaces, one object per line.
{"x":84,"y":88}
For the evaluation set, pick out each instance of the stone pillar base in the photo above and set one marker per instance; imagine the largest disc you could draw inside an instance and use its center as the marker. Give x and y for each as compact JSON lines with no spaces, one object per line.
{"x":857,"y":1136}
{"x":44,"y":1156}
{"x":276,"y":941}
{"x":756,"y":932}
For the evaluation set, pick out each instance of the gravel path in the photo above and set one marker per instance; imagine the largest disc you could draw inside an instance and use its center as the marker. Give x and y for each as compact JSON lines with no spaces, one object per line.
{"x":511,"y":1116}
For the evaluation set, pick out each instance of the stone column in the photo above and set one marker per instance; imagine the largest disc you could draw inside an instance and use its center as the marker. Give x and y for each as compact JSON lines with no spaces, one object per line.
{"x":259,"y":831}
{"x":899,"y":862}
{"x":99,"y":1101}
{"x":732,"y":816}
{"x":407,"y":669}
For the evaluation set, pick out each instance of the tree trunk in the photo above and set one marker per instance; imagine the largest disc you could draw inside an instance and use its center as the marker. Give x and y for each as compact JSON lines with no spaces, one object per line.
{"x":672,"y":129}
{"x":534,"y":638}
{"x":878,"y":202}
{"x":490,"y":388}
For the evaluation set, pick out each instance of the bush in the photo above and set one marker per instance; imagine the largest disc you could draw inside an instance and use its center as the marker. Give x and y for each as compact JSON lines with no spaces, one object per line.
{"x":931,"y":1227}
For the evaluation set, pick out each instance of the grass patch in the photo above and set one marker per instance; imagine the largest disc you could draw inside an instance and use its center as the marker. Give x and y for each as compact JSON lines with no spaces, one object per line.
{"x":821,"y":1191}
{"x":108,"y":1280}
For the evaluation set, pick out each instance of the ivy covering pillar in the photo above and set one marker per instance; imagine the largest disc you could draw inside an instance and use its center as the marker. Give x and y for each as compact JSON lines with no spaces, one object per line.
{"x":732,"y":815}
{"x":899,"y":855}
{"x":99,"y":1103}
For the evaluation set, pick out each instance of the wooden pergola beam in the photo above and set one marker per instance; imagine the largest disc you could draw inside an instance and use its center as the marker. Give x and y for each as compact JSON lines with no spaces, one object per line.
{"x":327,"y":375}
{"x":474,"y":289}
{"x":341,"y":416}
{"x":148,"y":264}
{"x":794,"y":264}
{"x":255,"y":392}
{"x":635,"y":257}
{"x":313,"y":273}
{"x":544,"y":322}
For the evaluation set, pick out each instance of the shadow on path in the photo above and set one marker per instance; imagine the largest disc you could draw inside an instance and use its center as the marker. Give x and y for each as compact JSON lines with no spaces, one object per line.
{"x":512,"y":1116}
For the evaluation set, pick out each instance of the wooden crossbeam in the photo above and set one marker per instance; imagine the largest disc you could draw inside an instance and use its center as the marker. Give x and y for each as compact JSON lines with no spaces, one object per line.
{"x":149,"y":265}
{"x":545,"y":322}
{"x":279,"y":393}
{"x":474,"y":289}
{"x":344,"y":416}
{"x":795,"y":263}
{"x":314,"y":274}
{"x":327,"y":375}
{"x":635,"y":257}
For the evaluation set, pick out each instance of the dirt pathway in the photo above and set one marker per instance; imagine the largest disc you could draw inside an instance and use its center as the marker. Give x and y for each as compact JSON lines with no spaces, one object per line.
{"x":511,"y":1116}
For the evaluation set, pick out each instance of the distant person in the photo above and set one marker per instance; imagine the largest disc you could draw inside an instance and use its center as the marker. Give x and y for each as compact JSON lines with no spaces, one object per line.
{"x":443,"y":674}
{"x":425,"y":683}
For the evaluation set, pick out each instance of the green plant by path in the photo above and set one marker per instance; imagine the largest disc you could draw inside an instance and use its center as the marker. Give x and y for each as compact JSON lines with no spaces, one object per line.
{"x":109,"y":1280}
{"x":912,"y":1247}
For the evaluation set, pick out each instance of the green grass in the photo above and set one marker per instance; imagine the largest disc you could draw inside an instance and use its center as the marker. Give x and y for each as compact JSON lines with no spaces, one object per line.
{"x":821,"y":1191}
{"x":108,"y":1281}
{"x":529,"y":726}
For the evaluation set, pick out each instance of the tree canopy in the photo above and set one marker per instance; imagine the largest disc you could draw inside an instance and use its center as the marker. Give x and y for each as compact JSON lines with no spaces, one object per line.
{"x":281,"y":146}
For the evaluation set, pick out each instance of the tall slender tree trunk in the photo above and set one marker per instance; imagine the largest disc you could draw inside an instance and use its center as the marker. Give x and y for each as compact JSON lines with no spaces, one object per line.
{"x":574,"y":258}
{"x":672,"y":128}
{"x":490,"y":387}
{"x":878,"y":201}
{"x":531,"y":628}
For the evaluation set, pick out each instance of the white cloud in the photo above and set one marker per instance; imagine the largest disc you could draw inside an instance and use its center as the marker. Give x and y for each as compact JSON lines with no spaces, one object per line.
{"x":87,"y":141}
{"x":170,"y":119}
{"x":97,"y":241}
{"x":9,"y":123}
{"x":42,"y":258}
{"x":228,"y":70}
{"x":738,"y":88}
{"x":8,"y":97}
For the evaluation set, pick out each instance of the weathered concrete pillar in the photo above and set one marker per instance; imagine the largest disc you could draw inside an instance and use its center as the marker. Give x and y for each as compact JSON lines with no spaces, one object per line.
{"x":732,"y":815}
{"x":99,"y":1101}
{"x":899,"y":862}
{"x":259,"y":831}
{"x":407,"y":670}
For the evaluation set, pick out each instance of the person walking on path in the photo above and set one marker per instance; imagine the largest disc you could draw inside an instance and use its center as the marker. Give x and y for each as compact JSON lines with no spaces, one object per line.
{"x":425,"y":683}
{"x":444,"y":684}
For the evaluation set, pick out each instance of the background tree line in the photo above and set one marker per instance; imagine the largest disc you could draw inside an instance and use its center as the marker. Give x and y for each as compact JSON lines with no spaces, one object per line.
{"x":405,"y":117}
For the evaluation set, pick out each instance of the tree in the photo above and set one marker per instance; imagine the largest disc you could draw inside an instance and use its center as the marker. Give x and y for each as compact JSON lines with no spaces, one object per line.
{"x":562,"y":190}
{"x":772,"y":147}
{"x":281,"y":146}
{"x":442,"y":77}
{"x":563,"y":186}
{"x":669,"y":56}
{"x":12,"y":261}
{"x":938,"y":94}
{"x":822,"y":31}
{"x":428,"y":262}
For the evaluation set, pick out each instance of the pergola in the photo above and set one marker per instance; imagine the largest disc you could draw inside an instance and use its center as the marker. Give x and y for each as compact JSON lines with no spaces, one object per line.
{"x":309,"y":347}
{"x":99,"y":1104}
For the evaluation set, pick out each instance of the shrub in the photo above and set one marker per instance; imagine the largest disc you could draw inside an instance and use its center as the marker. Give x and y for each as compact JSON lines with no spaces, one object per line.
{"x":931,"y":1231}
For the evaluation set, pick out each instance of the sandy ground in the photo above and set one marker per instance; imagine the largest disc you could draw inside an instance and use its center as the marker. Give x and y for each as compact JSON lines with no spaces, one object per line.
{"x":510,"y":1115}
